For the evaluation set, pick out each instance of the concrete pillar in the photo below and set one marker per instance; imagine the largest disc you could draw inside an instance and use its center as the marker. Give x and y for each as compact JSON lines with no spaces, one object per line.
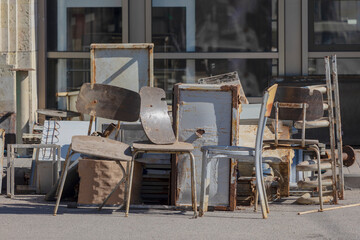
{"x":3,"y":25}
{"x":22,"y":103}
{"x":11,"y":55}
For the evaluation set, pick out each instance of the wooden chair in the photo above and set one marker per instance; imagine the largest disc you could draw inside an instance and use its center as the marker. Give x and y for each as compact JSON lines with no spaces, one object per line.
{"x":304,"y":107}
{"x":157,"y":126}
{"x":98,"y":100}
{"x":243,"y":154}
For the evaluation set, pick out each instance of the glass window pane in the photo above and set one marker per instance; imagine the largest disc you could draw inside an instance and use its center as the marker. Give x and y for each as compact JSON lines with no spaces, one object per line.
{"x":214,"y":25}
{"x":334,"y":24}
{"x":65,"y":75}
{"x":345,"y":66}
{"x":74,"y":28}
{"x":254,"y":73}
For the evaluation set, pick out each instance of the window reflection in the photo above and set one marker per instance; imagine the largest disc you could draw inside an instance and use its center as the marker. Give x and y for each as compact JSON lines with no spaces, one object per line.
{"x":75,"y":28}
{"x":93,"y":25}
{"x":345,"y":66}
{"x":334,"y":22}
{"x":254,"y":73}
{"x":214,"y":25}
{"x":65,"y":75}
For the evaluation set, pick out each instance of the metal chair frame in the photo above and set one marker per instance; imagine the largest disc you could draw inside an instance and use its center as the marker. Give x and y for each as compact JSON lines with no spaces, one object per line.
{"x":243,"y":154}
{"x":92,"y":100}
{"x":288,"y":144}
{"x":153,"y":103}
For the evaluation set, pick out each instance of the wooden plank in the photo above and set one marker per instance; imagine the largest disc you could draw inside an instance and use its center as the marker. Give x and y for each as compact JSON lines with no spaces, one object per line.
{"x":109,"y":102}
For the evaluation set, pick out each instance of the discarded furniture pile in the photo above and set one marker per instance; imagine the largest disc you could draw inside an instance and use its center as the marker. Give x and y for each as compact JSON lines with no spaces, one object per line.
{"x":211,"y":146}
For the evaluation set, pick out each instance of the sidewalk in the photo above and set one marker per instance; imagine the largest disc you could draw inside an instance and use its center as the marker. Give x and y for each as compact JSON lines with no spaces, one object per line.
{"x":29,"y":217}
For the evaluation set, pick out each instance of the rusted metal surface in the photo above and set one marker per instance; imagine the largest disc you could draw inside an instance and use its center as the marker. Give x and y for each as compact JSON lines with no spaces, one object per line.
{"x":154,"y":116}
{"x":299,"y":95}
{"x":109,"y":102}
{"x":211,"y":109}
{"x":231,"y":78}
{"x":348,"y":156}
{"x":329,"y":87}
{"x":124,"y":65}
{"x":339,"y":142}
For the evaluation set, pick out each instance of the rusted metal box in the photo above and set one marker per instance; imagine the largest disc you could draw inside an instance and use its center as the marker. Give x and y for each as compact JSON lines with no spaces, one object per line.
{"x":124,"y":65}
{"x":206,"y":115}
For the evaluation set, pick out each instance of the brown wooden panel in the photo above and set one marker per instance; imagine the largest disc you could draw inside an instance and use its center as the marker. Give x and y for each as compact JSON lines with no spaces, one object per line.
{"x":314,"y":99}
{"x":109,"y":102}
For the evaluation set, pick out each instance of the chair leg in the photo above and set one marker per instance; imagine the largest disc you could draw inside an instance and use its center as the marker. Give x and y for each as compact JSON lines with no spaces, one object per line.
{"x":259,"y":187}
{"x":317,"y":151}
{"x":129,"y":183}
{"x":62,"y":172}
{"x":256,"y":200}
{"x":193,"y":183}
{"x":62,"y":181}
{"x":204,"y":191}
{"x":264,"y":189}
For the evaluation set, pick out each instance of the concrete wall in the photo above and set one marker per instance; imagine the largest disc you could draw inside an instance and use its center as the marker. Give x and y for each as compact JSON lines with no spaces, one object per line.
{"x":18,"y":52}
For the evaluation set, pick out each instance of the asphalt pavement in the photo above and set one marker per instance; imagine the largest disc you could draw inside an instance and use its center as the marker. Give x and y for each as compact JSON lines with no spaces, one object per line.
{"x":30,"y":217}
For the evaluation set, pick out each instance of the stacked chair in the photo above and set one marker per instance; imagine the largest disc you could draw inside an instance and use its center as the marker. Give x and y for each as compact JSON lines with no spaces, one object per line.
{"x":110,"y":102}
{"x":333,"y":163}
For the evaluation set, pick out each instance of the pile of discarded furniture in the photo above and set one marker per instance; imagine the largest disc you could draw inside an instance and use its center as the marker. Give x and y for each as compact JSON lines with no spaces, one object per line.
{"x":215,"y":147}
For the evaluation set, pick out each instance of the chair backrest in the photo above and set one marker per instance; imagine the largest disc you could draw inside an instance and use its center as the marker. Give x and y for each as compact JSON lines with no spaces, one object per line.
{"x":109,"y":102}
{"x":265,"y":111}
{"x":154,"y":116}
{"x":289,"y":100}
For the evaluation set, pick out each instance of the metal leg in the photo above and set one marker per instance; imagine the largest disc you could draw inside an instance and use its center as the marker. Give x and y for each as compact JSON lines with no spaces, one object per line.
{"x":263,"y":188}
{"x":58,"y":166}
{"x":205,"y":182}
{"x":8,"y":172}
{"x":123,"y":179}
{"x":259,"y":186}
{"x":317,"y":151}
{"x":62,"y":182}
{"x":256,"y":201}
{"x":129,"y":183}
{"x":193,"y":183}
{"x":12,"y":165}
{"x":62,"y":172}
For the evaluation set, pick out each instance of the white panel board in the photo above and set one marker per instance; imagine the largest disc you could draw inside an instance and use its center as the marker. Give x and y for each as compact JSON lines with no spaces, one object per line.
{"x":211,"y":111}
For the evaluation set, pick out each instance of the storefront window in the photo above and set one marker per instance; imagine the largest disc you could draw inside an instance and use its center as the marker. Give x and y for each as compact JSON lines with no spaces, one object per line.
{"x":65,"y":75}
{"x":77,"y":24}
{"x":214,"y":25}
{"x":334,"y":25}
{"x":345,"y":66}
{"x":254,"y":73}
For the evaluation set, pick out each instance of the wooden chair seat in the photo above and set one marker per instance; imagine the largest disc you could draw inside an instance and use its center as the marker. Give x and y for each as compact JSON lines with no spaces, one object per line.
{"x":101,"y":147}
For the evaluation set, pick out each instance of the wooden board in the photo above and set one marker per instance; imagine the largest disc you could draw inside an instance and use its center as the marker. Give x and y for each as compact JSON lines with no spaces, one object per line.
{"x":299,"y":95}
{"x":109,"y":102}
